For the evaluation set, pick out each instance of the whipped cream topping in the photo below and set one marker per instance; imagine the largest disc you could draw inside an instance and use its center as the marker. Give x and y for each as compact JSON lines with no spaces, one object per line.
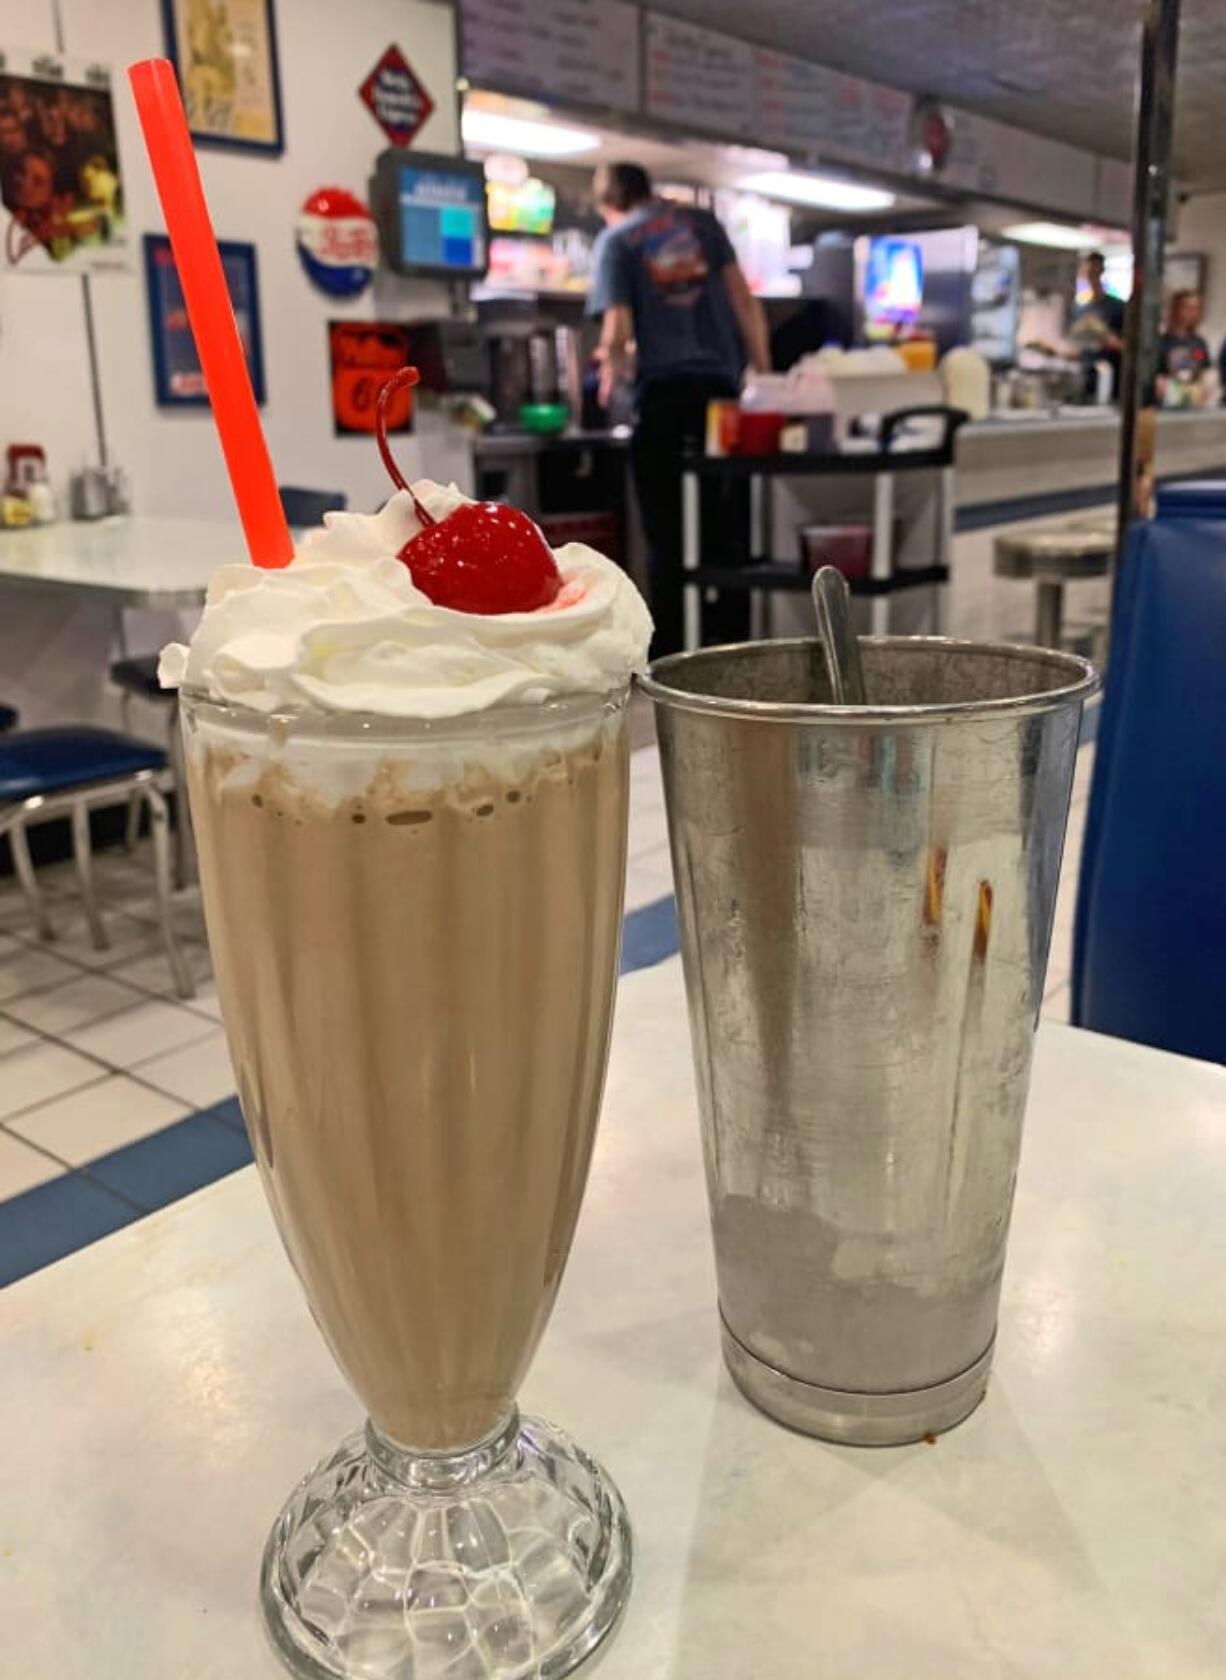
{"x":343,"y":628}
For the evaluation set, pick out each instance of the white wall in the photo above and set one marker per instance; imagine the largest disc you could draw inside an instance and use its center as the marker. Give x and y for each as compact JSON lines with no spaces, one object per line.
{"x":1202,"y":228}
{"x":326,"y":49}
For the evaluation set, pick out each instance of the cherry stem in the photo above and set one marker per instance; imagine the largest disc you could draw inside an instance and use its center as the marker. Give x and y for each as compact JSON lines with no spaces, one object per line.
{"x":404,"y":379}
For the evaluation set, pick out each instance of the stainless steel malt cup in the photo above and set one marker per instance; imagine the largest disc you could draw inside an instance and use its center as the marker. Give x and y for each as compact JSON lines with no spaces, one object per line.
{"x":865,"y":898}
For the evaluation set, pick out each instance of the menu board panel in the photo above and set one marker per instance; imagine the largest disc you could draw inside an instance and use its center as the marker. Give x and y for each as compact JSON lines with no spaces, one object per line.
{"x":581,"y":50}
{"x":869,"y":123}
{"x":699,"y":78}
{"x":810,"y":109}
{"x":794,"y":98}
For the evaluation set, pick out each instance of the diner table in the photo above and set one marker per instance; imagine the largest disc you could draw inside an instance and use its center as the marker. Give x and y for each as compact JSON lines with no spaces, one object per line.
{"x":128,"y":560}
{"x":77,"y":594}
{"x":165,"y":1388}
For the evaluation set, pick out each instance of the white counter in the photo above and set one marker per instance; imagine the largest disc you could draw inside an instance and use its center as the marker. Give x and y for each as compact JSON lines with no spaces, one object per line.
{"x":164,"y":1388}
{"x":1011,"y":458}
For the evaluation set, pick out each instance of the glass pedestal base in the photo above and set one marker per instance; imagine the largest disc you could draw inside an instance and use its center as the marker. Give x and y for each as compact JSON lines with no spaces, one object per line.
{"x":508,"y":1560}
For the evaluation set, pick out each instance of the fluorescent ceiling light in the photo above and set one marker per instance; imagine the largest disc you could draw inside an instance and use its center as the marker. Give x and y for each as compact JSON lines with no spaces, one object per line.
{"x":1058,"y":235}
{"x":516,"y":134}
{"x":825,"y":192}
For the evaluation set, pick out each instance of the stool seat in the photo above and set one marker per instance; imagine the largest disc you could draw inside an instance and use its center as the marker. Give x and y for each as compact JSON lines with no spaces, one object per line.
{"x":1065,"y":555}
{"x":140,"y":676}
{"x":46,"y":761}
{"x":8,"y":719}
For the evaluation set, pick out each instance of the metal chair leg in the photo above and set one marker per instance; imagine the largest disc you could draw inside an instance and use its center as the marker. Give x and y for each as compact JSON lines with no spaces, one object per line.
{"x":159,"y":822}
{"x":84,"y":857}
{"x":1049,"y":612}
{"x":131,"y":833}
{"x":185,"y":842}
{"x":24,"y":866}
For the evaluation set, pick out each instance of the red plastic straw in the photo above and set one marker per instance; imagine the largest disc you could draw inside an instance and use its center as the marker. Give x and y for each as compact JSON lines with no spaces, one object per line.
{"x":210,"y":312}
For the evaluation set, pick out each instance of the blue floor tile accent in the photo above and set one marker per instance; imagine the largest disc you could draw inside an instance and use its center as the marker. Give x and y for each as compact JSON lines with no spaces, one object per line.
{"x":230,"y":1114}
{"x":171,"y":1163}
{"x":649,"y":935}
{"x":55,"y":1219}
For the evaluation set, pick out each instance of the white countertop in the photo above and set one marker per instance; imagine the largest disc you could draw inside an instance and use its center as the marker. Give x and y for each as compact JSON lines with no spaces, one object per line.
{"x":1072,"y":417}
{"x":134,"y":560}
{"x":163,"y":1390}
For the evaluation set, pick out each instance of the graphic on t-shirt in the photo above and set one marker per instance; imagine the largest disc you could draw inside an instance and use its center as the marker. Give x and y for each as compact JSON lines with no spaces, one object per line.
{"x":673,"y":258}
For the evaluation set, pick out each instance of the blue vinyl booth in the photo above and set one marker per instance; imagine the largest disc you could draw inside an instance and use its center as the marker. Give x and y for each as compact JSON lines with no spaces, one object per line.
{"x":1149,"y":954}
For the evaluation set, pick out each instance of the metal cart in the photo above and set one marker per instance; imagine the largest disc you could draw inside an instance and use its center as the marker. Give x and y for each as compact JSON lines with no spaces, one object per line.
{"x":763,"y":576}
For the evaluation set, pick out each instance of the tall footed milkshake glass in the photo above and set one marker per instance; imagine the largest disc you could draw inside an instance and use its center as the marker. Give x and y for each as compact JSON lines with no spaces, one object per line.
{"x":412,"y":838}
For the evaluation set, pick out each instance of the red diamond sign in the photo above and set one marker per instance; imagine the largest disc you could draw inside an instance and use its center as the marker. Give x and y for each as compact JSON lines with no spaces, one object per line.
{"x":397,"y":100}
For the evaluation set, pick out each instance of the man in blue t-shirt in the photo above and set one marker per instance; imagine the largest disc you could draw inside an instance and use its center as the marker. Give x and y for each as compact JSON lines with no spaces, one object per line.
{"x":668,"y":282}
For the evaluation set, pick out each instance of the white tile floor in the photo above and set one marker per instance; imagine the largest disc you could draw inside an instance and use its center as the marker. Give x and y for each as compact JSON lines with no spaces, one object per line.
{"x":96,"y":1051}
{"x":88,"y":1037}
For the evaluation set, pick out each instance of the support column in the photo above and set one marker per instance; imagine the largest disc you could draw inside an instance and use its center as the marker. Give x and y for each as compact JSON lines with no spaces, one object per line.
{"x":1150,"y":203}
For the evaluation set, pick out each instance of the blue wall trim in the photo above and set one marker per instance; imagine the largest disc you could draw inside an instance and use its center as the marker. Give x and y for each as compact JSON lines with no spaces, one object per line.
{"x":1013,"y":510}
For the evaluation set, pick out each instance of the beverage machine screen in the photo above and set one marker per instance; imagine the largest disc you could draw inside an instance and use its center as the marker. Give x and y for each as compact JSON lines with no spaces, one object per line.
{"x":893,"y":286}
{"x":432,"y":214}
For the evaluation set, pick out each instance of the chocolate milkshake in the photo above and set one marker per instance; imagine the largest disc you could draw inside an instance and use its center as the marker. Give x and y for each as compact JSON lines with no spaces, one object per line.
{"x":417,"y":983}
{"x":407,"y":761}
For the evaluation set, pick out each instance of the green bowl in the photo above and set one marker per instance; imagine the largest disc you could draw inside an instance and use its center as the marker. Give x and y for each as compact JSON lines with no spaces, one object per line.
{"x":547,"y":419}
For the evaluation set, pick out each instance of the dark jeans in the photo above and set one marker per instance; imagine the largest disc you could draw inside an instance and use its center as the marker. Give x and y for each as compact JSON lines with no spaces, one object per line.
{"x":672,"y":420}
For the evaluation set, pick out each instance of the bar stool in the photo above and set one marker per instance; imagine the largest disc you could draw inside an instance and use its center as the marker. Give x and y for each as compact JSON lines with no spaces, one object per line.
{"x":1052,"y":559}
{"x":50,"y":773}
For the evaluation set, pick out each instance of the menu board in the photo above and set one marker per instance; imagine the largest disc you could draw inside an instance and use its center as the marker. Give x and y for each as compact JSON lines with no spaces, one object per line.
{"x":868,"y":123}
{"x":1010,"y":163}
{"x":811,"y":109}
{"x":699,"y":78}
{"x":582,"y":50}
{"x":1063,"y":176}
{"x":794,"y":99}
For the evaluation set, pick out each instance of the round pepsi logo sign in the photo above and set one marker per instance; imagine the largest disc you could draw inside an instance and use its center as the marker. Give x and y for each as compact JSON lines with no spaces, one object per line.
{"x":338,"y":245}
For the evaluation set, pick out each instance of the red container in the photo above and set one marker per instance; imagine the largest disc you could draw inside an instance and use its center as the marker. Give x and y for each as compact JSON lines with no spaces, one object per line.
{"x":759,"y":432}
{"x":849,"y":548}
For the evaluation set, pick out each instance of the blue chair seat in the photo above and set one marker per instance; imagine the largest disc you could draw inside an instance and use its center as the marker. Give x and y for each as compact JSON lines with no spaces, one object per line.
{"x":8,"y":719}
{"x":1192,"y":498}
{"x":1149,"y":945}
{"x":140,"y":676}
{"x":305,"y":508}
{"x":47,"y":761}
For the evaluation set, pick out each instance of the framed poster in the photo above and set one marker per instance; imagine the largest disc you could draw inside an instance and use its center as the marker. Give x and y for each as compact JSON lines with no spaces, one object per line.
{"x":225,"y":54}
{"x":1184,"y":271}
{"x":177,"y":378}
{"x":364,"y":355}
{"x":61,"y":187}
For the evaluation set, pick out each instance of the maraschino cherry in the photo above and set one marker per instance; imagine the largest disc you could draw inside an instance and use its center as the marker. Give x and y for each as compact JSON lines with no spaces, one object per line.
{"x":483,"y":557}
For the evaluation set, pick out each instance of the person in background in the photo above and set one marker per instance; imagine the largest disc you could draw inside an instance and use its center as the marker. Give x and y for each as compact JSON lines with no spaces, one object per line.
{"x":666,"y":280}
{"x":1183,"y":355}
{"x":1097,"y":323}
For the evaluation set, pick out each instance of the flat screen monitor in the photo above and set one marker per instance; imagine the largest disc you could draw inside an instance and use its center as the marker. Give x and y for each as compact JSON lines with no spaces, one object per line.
{"x":432,"y":215}
{"x":521,"y":207}
{"x":893,"y":286}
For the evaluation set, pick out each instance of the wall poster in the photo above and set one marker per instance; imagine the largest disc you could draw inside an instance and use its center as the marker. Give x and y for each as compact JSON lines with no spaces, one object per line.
{"x":177,"y":376}
{"x":225,"y":54}
{"x":364,"y":356}
{"x":61,"y":187}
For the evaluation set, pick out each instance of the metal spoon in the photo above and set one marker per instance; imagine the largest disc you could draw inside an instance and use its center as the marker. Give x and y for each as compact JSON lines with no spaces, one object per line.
{"x":832,"y":604}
